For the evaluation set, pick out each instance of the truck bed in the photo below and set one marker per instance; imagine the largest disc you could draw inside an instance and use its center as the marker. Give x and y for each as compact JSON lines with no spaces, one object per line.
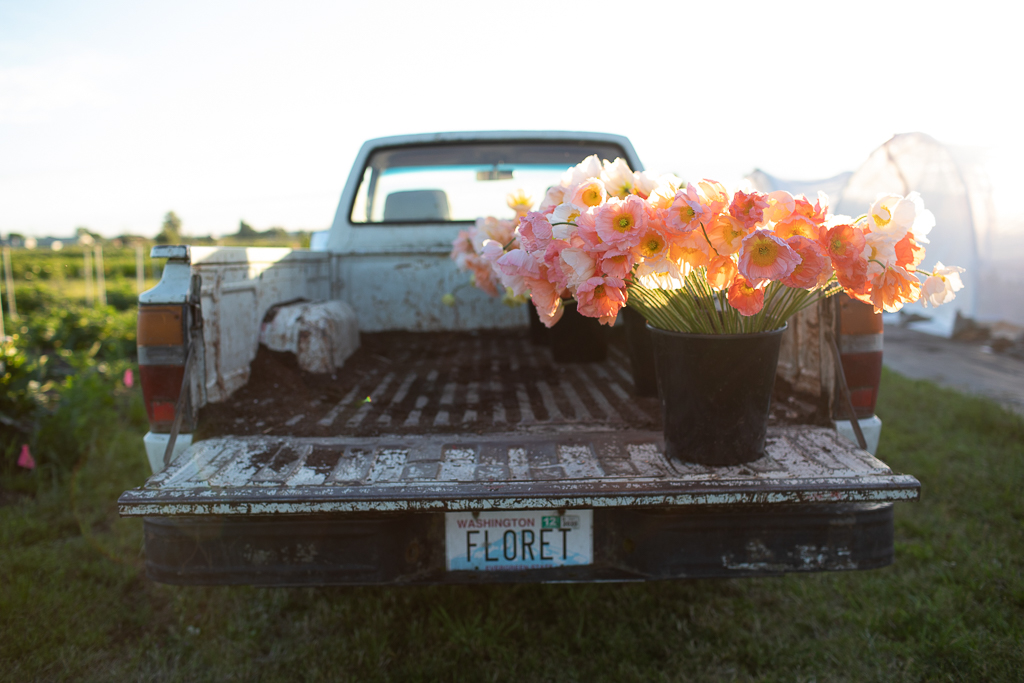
{"x":355,"y":473}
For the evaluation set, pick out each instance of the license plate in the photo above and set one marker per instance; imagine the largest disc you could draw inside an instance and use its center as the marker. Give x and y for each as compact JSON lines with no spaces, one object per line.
{"x":519,"y":540}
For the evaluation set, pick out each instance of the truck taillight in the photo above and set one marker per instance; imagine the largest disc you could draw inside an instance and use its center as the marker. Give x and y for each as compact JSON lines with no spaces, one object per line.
{"x":162,"y":351}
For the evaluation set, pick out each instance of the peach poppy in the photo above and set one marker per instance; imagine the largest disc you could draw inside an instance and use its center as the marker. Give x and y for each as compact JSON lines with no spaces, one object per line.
{"x":602,"y":298}
{"x":726,"y":233}
{"x":816,"y":213}
{"x":843,"y":244}
{"x":745,"y":297}
{"x":653,"y":244}
{"x":892,"y":288}
{"x":714,"y":195}
{"x":589,"y":193}
{"x":520,"y":202}
{"x":853,"y":276}
{"x":798,"y":225}
{"x":765,"y":257}
{"x":780,"y":205}
{"x":547,"y":300}
{"x":695,"y":258}
{"x":909,"y":252}
{"x":814,"y":268}
{"x":722,"y":271}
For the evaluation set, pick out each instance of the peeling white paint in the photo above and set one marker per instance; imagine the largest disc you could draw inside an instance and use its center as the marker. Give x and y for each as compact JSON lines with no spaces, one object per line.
{"x":221,"y":476}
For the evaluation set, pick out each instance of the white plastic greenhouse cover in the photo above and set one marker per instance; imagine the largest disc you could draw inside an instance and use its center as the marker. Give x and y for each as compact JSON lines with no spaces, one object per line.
{"x":955,"y":186}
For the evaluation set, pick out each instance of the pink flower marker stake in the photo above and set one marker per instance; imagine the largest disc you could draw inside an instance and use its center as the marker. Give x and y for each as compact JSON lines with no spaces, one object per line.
{"x":26,"y":460}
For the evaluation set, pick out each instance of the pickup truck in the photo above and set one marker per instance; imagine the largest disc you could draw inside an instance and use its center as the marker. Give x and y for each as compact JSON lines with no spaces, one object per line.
{"x":332,"y":417}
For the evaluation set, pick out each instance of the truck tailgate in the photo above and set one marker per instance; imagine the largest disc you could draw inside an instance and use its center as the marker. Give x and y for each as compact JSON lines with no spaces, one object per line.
{"x":325,"y":490}
{"x":301,"y":476}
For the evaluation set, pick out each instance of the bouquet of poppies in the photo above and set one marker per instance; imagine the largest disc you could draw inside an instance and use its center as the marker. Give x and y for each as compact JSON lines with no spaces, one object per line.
{"x":697,"y":258}
{"x":468,"y":247}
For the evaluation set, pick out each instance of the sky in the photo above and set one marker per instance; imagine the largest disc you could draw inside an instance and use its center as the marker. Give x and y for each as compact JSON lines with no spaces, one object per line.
{"x":114,"y":112}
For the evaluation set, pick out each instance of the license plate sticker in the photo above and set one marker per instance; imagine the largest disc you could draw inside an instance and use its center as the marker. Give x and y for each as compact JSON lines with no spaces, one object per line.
{"x":519,"y":539}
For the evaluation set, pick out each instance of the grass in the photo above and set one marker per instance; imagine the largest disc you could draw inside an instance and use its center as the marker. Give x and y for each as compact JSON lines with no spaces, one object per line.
{"x":76,"y":604}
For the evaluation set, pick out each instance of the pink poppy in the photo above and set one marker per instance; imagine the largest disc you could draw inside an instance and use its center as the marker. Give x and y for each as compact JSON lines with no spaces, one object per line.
{"x":586,"y":228}
{"x":621,"y":222}
{"x":748,"y":209}
{"x":515,"y":267}
{"x":687,"y":212}
{"x":534,"y":231}
{"x":617,"y":263}
{"x":765,"y":257}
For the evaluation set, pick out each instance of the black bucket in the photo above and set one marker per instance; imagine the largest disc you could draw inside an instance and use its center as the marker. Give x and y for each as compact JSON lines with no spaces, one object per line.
{"x":577,"y":339}
{"x":641,"y":353}
{"x":716,"y":391}
{"x":538,"y":332}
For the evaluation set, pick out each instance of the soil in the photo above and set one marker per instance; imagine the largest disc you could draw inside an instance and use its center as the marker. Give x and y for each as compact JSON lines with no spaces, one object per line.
{"x":411,"y":383}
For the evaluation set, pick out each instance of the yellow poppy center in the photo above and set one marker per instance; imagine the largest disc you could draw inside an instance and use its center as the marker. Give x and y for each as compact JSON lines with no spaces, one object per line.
{"x":880,"y":220}
{"x":765,"y":253}
{"x":591,"y":196}
{"x":624,"y":222}
{"x":651,"y":246}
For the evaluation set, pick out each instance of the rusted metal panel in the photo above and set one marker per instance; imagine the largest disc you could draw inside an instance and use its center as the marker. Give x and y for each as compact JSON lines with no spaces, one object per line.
{"x":503,"y":471}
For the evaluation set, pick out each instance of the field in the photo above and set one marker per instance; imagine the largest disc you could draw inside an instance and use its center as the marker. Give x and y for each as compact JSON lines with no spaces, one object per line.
{"x":76,"y":604}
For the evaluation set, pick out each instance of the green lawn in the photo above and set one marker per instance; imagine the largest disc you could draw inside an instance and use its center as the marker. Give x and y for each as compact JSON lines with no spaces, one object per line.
{"x":75,"y":603}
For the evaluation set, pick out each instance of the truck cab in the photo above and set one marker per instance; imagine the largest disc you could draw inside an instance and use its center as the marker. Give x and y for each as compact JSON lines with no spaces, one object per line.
{"x":342,"y":421}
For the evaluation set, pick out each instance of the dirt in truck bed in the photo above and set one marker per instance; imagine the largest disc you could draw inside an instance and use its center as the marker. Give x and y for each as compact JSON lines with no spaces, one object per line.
{"x":447,"y":382}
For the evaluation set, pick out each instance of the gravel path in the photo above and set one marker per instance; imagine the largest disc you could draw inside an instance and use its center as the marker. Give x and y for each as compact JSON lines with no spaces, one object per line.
{"x":968,"y":367}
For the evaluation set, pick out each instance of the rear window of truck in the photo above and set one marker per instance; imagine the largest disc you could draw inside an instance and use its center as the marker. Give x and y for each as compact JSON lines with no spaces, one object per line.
{"x":460,"y":182}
